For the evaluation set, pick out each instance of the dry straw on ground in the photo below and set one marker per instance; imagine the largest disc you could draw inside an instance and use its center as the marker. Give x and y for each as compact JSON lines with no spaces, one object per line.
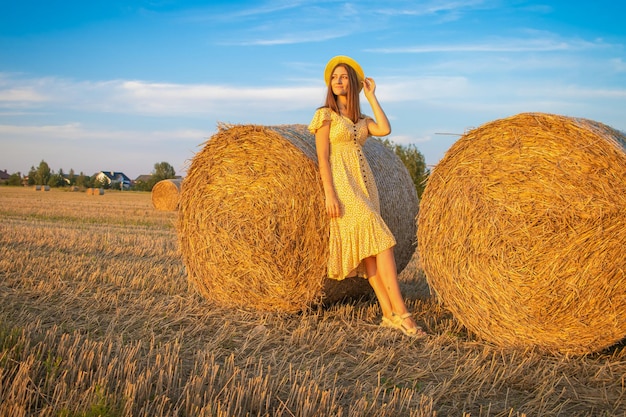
{"x":252,"y":226}
{"x":166,"y":194}
{"x":521,"y":232}
{"x":96,"y":320}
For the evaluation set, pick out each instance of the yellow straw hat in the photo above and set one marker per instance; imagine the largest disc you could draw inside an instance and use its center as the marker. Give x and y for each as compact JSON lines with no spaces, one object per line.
{"x":342,"y":59}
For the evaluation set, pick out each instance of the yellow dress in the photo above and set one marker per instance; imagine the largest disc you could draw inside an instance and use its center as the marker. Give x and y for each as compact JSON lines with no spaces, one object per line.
{"x":360,"y":231}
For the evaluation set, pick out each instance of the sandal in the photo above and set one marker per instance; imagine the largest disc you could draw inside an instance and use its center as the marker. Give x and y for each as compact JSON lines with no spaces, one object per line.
{"x":409,"y":331}
{"x":387,"y":322}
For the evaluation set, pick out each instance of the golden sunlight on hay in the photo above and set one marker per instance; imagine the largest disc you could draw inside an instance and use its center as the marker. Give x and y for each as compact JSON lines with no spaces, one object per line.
{"x":166,"y":194}
{"x":521,"y":232}
{"x":252,"y":226}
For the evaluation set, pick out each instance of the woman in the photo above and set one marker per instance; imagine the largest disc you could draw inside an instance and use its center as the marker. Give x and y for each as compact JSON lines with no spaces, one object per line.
{"x":360,"y":241}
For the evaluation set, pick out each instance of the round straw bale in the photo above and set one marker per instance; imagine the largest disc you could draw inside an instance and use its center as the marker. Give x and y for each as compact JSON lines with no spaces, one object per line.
{"x":165,"y":194}
{"x":252,"y":226}
{"x":95,"y":191}
{"x":521,"y":233}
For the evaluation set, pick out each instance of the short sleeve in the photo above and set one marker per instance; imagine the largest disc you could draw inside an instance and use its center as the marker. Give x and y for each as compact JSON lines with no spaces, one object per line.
{"x":321,"y":115}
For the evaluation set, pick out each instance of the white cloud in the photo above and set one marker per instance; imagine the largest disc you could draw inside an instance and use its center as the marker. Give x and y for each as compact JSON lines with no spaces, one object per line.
{"x":291,"y":38}
{"x":71,"y":131}
{"x":224,"y":102}
{"x":212,"y":14}
{"x":566,"y":92}
{"x":202,"y":98}
{"x":496,"y":45}
{"x":149,"y":98}
{"x":21,"y":94}
{"x":425,"y":8}
{"x":395,"y":89}
{"x":77,"y":132}
{"x":618,"y":64}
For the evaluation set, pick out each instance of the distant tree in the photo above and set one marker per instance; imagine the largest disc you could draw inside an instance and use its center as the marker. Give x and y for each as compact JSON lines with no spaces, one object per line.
{"x":43,"y":173}
{"x":144,"y":185}
{"x":56,"y":180}
{"x":15,"y":179}
{"x":162,"y":171}
{"x":32,"y":176}
{"x":83,"y":180}
{"x":414,"y":162}
{"x":71,"y":177}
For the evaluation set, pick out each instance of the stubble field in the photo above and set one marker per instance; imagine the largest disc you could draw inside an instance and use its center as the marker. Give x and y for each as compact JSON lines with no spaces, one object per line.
{"x":97,"y":319}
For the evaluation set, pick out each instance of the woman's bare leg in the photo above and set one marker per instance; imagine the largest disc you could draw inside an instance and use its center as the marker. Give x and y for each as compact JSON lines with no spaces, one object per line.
{"x":383,"y":275}
{"x":381,"y":293}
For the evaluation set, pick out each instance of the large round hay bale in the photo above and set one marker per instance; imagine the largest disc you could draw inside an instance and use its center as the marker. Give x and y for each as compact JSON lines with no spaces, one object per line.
{"x":252,"y":227}
{"x":166,"y":194}
{"x":521,"y":233}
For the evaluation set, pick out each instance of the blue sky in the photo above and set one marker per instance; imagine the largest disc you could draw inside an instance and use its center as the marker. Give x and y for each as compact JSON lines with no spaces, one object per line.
{"x":121,"y":85}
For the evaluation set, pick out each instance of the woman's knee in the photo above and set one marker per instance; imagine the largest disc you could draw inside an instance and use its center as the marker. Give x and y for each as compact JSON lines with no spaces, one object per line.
{"x":371,"y":266}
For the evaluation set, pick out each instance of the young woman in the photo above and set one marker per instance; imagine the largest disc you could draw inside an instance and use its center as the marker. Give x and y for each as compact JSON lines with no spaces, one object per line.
{"x":360,"y":241}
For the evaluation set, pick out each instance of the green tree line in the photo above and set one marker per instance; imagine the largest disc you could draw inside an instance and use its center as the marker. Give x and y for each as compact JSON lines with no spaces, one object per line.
{"x":44,"y":175}
{"x":414,"y":162}
{"x":410,"y":156}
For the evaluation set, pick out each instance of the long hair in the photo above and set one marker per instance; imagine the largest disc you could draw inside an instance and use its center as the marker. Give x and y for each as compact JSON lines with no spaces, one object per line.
{"x":353,"y":108}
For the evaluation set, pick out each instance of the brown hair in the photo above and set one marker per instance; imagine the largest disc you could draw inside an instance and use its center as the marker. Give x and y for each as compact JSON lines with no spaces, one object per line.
{"x":354,"y":105}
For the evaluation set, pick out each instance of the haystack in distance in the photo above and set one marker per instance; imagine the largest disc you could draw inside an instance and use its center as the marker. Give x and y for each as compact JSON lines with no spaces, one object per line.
{"x":252,"y":227}
{"x":521,"y":232}
{"x":165,"y":194}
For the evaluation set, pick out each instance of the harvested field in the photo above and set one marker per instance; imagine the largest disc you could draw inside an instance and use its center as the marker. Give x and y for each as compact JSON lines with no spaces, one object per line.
{"x":97,"y":318}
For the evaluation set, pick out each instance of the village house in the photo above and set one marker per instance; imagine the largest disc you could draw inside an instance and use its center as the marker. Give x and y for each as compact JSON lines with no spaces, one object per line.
{"x":115,"y":180}
{"x":143,"y":178}
{"x":4,"y":177}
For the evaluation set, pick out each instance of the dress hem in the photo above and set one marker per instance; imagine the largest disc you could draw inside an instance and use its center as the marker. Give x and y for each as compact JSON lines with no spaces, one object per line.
{"x":356,"y":268}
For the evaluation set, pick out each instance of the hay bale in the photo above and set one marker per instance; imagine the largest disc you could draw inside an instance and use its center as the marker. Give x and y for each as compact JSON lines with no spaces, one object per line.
{"x":252,"y":226}
{"x":166,"y":194}
{"x":521,"y":233}
{"x":95,"y":191}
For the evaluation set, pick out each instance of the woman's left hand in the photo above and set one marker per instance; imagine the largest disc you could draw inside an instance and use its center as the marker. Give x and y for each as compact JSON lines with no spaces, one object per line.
{"x":369,"y":85}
